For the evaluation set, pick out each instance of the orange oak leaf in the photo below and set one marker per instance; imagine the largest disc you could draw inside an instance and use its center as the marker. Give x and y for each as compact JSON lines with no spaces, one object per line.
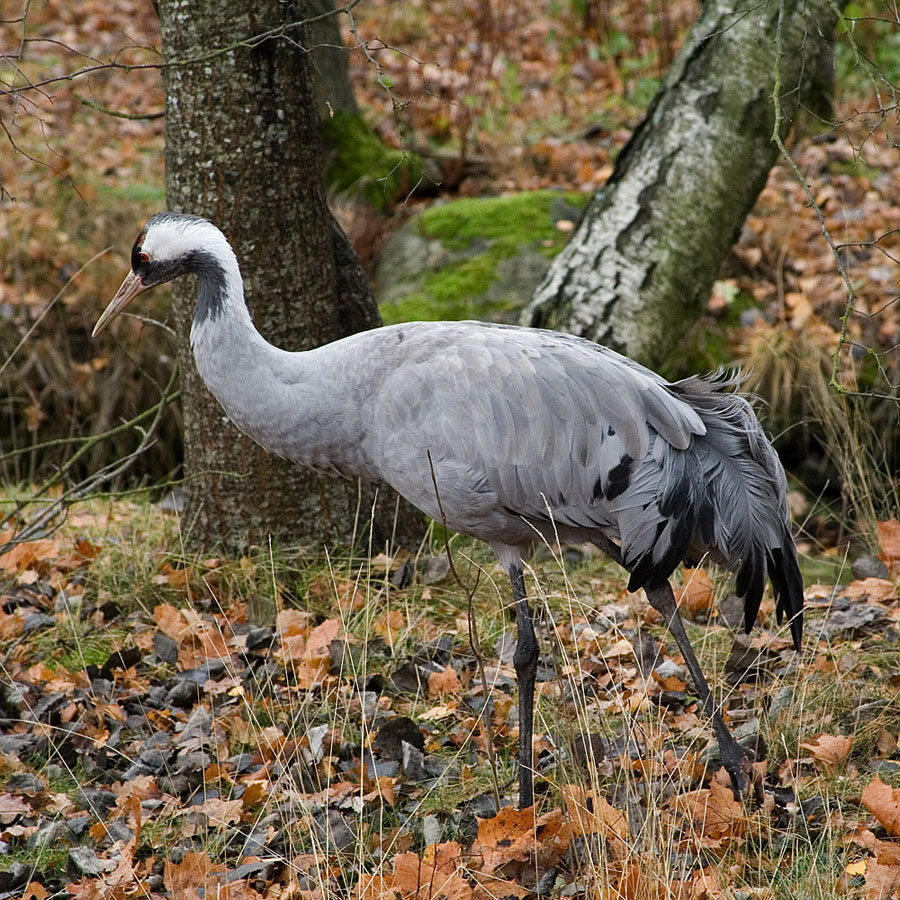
{"x":878,"y":590}
{"x":882,"y":880}
{"x":883,"y":802}
{"x":170,"y":621}
{"x":886,"y":852}
{"x":35,"y":891}
{"x":830,"y":752}
{"x":437,"y":874}
{"x":389,"y":624}
{"x":320,"y":638}
{"x":513,"y":834}
{"x":717,"y":818}
{"x":589,"y":814}
{"x":27,"y":554}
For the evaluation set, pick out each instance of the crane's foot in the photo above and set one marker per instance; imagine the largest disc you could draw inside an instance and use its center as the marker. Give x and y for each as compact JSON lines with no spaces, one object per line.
{"x":738,"y":762}
{"x":737,"y":759}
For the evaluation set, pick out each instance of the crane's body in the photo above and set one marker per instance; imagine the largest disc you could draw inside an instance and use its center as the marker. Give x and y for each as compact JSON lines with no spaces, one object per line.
{"x":513,"y":435}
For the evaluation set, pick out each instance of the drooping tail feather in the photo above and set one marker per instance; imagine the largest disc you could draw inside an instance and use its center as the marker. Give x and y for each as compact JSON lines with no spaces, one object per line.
{"x":728,"y":491}
{"x":787,"y":583}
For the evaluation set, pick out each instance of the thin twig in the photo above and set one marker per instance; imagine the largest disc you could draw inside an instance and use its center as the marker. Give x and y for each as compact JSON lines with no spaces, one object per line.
{"x":49,"y":306}
{"x":474,"y":641}
{"x":115,"y":113}
{"x":811,"y":200}
{"x":53,"y":515}
{"x":280,"y":31}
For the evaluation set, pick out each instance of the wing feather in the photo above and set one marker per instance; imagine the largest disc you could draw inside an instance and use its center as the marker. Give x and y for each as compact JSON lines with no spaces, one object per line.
{"x":549,"y":426}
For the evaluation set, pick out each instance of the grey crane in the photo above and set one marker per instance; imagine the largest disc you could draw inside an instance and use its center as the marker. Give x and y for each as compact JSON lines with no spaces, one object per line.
{"x":514,"y":435}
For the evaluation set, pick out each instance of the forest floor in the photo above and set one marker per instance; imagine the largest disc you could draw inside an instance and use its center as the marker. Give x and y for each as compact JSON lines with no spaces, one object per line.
{"x":288,"y":725}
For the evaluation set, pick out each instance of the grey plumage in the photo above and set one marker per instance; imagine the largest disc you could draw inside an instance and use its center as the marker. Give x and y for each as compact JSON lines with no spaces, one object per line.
{"x":529,"y":436}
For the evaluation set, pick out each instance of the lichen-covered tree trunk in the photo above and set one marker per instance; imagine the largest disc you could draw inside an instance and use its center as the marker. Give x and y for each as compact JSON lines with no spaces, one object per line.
{"x":243,"y":149}
{"x":641,"y":263}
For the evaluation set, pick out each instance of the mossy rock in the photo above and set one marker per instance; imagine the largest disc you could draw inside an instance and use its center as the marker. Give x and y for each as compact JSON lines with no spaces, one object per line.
{"x":473,"y":258}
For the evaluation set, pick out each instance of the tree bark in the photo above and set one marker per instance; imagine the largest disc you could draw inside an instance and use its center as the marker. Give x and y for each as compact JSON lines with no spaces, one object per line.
{"x":640,"y":265}
{"x":331,"y":77}
{"x":243,"y":149}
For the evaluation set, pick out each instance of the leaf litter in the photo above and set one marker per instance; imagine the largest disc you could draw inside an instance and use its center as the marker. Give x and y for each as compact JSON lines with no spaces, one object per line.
{"x":199,"y":752}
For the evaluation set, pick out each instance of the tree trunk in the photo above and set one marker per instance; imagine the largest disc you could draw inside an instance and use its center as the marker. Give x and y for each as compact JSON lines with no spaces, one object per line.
{"x":639,"y":267}
{"x":331,"y":77}
{"x":243,"y":149}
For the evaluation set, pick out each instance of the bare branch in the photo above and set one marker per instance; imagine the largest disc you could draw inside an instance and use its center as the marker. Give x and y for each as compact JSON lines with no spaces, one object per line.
{"x":114,"y":113}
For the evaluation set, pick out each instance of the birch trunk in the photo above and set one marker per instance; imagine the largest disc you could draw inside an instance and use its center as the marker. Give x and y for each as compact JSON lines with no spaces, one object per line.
{"x":639,"y":267}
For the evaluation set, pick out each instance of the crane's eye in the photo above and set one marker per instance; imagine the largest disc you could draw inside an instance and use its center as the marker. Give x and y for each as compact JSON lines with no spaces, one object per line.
{"x":143,"y":257}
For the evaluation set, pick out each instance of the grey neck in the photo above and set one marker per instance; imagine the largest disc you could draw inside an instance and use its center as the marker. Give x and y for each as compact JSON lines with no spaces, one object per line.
{"x":280,"y":399}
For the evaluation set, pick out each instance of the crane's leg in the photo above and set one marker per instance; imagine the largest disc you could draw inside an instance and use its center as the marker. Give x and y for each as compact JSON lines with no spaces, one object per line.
{"x":525,"y":660}
{"x":738,"y":760}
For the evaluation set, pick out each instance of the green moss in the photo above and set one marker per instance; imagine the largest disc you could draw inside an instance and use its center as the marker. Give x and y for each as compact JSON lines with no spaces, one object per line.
{"x":521,"y":219}
{"x":362,"y":164}
{"x":487,"y":231}
{"x":94,"y":654}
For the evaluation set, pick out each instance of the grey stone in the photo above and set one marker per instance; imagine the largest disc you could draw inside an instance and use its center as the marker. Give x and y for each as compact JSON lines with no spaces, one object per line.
{"x":413,"y":763}
{"x":670,"y":669}
{"x":731,"y":611}
{"x":165,"y":648}
{"x":88,"y":863}
{"x":332,"y":831}
{"x":49,"y":834}
{"x":24,"y":783}
{"x":855,"y":619}
{"x":868,"y":566}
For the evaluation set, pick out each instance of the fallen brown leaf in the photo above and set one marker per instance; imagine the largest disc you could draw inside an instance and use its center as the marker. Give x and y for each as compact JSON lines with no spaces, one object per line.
{"x":442,"y":683}
{"x":35,"y":891}
{"x":883,"y":802}
{"x":716,"y":817}
{"x":589,"y":814}
{"x":170,"y":621}
{"x":886,"y":743}
{"x":698,"y":594}
{"x":13,"y":806}
{"x":829,"y":751}
{"x":889,"y":543}
{"x":886,"y":852}
{"x":320,"y":638}
{"x":510,"y":835}
{"x":27,"y":554}
{"x":877,"y":590}
{"x":411,"y":878}
{"x":389,"y":624}
{"x":881,"y":880}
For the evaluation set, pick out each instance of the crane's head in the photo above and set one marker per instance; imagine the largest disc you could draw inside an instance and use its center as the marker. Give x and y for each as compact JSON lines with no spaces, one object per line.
{"x":169,"y":245}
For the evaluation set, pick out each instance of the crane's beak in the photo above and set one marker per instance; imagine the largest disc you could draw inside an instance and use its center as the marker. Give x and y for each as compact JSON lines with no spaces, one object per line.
{"x":131,"y":287}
